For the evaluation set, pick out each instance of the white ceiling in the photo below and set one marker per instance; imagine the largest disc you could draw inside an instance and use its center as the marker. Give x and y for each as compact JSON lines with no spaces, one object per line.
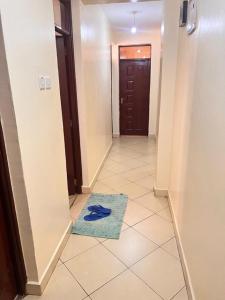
{"x":149,"y":16}
{"x":110,"y":1}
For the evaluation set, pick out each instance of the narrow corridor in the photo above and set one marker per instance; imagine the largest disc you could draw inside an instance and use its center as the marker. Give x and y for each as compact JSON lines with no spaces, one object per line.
{"x":144,"y":263}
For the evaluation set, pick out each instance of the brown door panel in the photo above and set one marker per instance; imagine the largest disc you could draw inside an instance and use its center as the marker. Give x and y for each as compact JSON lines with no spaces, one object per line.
{"x":134,"y":96}
{"x":12,"y":269}
{"x":68,"y":93}
{"x":66,"y":112}
{"x":8,"y":290}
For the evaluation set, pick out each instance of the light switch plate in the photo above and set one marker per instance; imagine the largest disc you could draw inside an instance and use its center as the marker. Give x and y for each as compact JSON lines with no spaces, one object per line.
{"x":41,"y":82}
{"x":48,"y":83}
{"x":192,"y":16}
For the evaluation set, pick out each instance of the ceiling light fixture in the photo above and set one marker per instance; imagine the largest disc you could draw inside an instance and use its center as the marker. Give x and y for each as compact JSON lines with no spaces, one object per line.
{"x":134,"y":28}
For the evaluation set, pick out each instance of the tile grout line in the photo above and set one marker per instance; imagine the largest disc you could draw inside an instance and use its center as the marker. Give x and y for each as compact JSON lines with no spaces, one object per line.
{"x":107,"y":282}
{"x":131,"y":226}
{"x":178,"y":292}
{"x":64,"y":262}
{"x":77,"y":281}
{"x":147,"y":284}
{"x":129,"y":268}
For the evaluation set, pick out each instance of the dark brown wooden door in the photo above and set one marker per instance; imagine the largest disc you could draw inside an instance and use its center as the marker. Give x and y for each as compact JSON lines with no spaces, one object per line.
{"x":134,"y":96}
{"x":68,"y":93}
{"x":12,"y":269}
{"x":8,"y":288}
{"x":66,"y":112}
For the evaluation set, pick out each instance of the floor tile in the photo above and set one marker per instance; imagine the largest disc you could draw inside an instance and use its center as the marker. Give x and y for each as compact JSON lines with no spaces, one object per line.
{"x":119,"y":157}
{"x":132,"y":154}
{"x":124,"y":227}
{"x":135,"y":213}
{"x":125,"y":286}
{"x":129,"y":169}
{"x":165,"y":214}
{"x":153,"y":203}
{"x":95,"y":267}
{"x":182,"y":295}
{"x":143,"y":148}
{"x":156,"y":229}
{"x":99,"y":187}
{"x":132,"y":190}
{"x":161,"y":272}
{"x":115,"y":182}
{"x":76,"y":245}
{"x":148,"y":159}
{"x":138,"y":173}
{"x":114,"y":167}
{"x":105,"y":174}
{"x":62,"y":285}
{"x":171,"y":247}
{"x":134,"y":163}
{"x":131,"y":246}
{"x":147,"y":182}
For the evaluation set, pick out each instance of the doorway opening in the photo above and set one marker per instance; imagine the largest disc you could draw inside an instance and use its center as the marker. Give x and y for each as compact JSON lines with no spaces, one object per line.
{"x":134,"y":86}
{"x":68,"y":93}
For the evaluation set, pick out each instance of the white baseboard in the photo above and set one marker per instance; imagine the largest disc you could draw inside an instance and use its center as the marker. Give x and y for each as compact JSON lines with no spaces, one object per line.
{"x":116,"y":135}
{"x":159,"y":192}
{"x":152,"y":136}
{"x":186,"y":272}
{"x":37,"y":288}
{"x":88,"y":189}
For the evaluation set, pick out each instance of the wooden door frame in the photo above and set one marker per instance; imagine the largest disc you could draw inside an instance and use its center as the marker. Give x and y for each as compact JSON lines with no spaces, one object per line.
{"x":137,"y":59}
{"x":8,"y":205}
{"x":73,"y":95}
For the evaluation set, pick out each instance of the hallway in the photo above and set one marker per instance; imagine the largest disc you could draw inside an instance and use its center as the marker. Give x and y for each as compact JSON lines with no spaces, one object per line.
{"x":144,"y":263}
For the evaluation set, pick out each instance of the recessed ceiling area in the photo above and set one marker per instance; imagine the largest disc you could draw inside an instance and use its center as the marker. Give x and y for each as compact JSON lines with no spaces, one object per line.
{"x":148,"y":15}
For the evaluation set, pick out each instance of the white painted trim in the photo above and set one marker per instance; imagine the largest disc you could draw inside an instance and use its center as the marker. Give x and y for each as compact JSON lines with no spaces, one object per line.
{"x":187,"y":276}
{"x":159,"y":192}
{"x":37,"y":288}
{"x":152,"y":136}
{"x":116,"y":135}
{"x":88,"y":189}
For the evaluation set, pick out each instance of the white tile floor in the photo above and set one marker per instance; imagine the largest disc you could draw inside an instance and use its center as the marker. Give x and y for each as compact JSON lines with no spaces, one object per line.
{"x":144,"y":263}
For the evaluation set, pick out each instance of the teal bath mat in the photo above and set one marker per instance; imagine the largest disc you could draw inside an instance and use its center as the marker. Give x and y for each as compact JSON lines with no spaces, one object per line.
{"x":109,"y":227}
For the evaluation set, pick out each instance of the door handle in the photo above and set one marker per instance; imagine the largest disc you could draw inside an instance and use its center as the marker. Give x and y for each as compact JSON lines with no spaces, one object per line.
{"x":121,"y":100}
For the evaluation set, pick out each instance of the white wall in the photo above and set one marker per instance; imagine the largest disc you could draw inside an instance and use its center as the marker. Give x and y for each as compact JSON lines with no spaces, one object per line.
{"x":196,"y":187}
{"x":28,"y":28}
{"x":168,"y":81}
{"x":9,"y":128}
{"x":93,"y":71}
{"x":125,"y":38}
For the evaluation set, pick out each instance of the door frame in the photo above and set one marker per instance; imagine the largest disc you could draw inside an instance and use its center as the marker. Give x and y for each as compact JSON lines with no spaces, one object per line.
{"x":73,"y":95}
{"x":8,"y":205}
{"x":137,"y":59}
